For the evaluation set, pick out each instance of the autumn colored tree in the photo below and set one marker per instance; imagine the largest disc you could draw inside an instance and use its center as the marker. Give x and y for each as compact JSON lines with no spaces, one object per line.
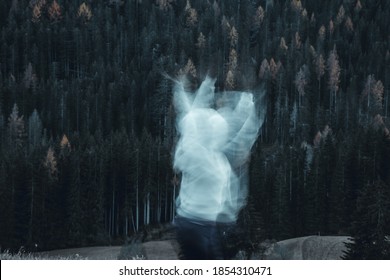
{"x":54,"y":11}
{"x":84,"y":12}
{"x":301,"y":80}
{"x":264,"y":69}
{"x":192,"y":15}
{"x":333,"y":68}
{"x":36,"y":13}
{"x":164,"y":4}
{"x":373,"y":91}
{"x":274,"y":68}
{"x":50,"y":163}
{"x":201,"y":43}
{"x":320,"y":71}
{"x":259,"y":17}
{"x":231,"y":70}
{"x":189,"y":69}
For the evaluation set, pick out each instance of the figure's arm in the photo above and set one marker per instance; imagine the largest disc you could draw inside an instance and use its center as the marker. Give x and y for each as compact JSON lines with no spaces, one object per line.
{"x":238,"y":149}
{"x":182,"y":100}
{"x":204,"y":97}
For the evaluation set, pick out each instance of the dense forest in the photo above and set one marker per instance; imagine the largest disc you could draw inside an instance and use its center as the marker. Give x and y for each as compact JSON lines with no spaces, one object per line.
{"x":87,"y":127}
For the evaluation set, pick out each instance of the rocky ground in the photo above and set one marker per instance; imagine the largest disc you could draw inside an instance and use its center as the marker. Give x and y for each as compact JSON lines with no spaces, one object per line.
{"x":308,"y":248}
{"x":303,"y":248}
{"x":160,"y":244}
{"x":89,"y":253}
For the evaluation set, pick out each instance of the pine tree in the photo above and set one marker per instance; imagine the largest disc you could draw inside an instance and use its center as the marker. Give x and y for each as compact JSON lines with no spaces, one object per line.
{"x":370,"y":240}
{"x":91,"y":194}
{"x":373,"y":91}
{"x":2,"y":124}
{"x":349,"y":24}
{"x":301,"y":80}
{"x":281,"y":222}
{"x":320,"y":71}
{"x":6,"y":207}
{"x":164,"y":5}
{"x":259,"y":17}
{"x":36,"y":198}
{"x":264,"y":69}
{"x":34,"y":130}
{"x":16,"y":130}
{"x":53,"y":229}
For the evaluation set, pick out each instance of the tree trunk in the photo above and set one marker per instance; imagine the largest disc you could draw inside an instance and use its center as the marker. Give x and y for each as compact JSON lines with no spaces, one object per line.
{"x":173,"y":202}
{"x":148,"y":209}
{"x":158,"y":212}
{"x":386,"y":102}
{"x":132,"y":222}
{"x":136,"y":197}
{"x":32,"y":204}
{"x":166,"y":200}
{"x":113,"y":212}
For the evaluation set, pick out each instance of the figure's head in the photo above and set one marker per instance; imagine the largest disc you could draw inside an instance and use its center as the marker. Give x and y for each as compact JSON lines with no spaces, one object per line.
{"x":206,"y":127}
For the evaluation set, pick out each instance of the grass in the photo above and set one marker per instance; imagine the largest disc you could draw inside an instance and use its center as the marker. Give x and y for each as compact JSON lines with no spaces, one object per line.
{"x":22,"y":255}
{"x":132,"y":251}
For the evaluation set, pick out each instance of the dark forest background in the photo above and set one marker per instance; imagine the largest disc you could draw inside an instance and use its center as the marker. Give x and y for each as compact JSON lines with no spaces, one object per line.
{"x":87,"y":125}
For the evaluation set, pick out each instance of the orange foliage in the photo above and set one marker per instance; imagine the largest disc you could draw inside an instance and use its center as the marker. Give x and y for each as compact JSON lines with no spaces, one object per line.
{"x":84,"y":12}
{"x":55,"y":11}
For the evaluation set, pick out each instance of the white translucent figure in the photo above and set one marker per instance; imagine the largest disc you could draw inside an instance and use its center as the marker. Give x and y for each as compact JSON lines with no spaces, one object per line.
{"x":213,"y":150}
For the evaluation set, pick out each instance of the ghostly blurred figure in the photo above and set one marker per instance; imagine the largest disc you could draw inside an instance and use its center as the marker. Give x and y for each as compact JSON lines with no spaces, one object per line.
{"x":212,"y":155}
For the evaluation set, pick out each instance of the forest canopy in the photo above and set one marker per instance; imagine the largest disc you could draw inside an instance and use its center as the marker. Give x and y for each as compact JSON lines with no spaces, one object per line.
{"x":87,"y":125}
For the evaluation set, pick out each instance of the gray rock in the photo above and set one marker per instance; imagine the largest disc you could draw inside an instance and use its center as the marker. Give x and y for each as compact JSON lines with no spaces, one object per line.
{"x":308,"y":248}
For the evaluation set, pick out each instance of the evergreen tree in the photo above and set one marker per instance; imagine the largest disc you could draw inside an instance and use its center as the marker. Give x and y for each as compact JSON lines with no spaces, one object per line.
{"x":370,"y":240}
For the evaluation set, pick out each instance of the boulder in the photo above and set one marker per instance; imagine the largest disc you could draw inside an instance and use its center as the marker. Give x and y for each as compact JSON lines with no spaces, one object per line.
{"x":308,"y":248}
